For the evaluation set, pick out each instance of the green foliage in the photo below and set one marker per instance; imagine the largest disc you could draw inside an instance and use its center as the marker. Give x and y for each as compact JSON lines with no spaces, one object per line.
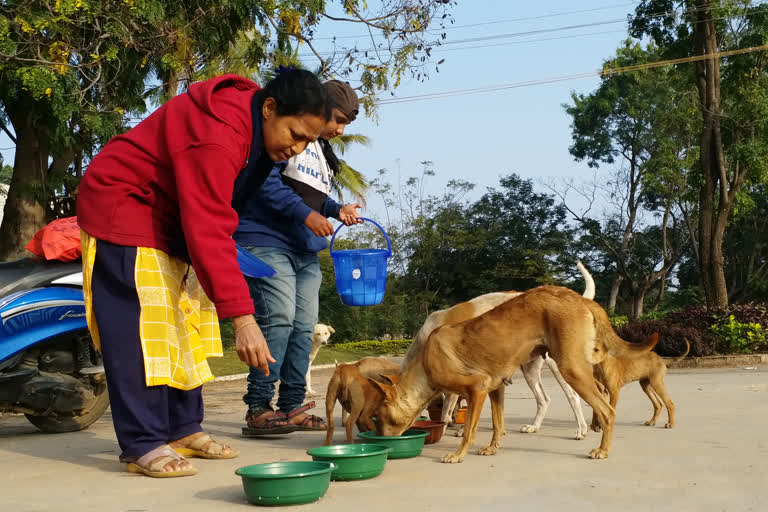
{"x":74,"y":72}
{"x":740,"y":338}
{"x":740,"y":83}
{"x":618,"y":321}
{"x":745,"y":246}
{"x":6,"y":171}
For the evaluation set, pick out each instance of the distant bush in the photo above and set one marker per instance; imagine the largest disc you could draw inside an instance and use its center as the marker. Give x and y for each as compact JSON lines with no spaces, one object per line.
{"x":740,"y":338}
{"x":618,"y":321}
{"x":671,"y":337}
{"x":376,"y":347}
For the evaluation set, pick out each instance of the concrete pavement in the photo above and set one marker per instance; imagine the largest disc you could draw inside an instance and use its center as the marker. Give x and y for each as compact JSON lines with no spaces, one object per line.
{"x":715,"y":459}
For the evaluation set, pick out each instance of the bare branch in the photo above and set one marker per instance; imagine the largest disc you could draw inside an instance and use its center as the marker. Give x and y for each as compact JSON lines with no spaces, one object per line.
{"x":7,"y":132}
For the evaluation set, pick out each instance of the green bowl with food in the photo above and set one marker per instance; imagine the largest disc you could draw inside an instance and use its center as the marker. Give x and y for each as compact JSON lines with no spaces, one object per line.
{"x":353,"y":461}
{"x":404,"y":446}
{"x":286,"y":483}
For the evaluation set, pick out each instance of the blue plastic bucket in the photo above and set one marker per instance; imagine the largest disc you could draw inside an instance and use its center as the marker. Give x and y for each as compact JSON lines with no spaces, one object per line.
{"x":361,"y":274}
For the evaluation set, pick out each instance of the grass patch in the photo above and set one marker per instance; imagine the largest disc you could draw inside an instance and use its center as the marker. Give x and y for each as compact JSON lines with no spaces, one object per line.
{"x":231,"y":364}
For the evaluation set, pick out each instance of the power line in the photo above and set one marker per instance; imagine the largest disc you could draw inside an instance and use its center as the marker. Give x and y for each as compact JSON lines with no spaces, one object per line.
{"x":493,"y":37}
{"x":511,"y":43}
{"x":603,"y":32}
{"x":543,"y":31}
{"x":495,"y":22}
{"x":607,"y":71}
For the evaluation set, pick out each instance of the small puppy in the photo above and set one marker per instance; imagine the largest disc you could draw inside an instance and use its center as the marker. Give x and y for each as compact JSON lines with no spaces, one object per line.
{"x":357,"y":396}
{"x":319,"y":338}
{"x":614,"y":372}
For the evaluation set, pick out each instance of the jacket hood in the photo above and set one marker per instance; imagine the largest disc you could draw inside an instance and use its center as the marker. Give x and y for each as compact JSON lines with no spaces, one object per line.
{"x":203,"y":94}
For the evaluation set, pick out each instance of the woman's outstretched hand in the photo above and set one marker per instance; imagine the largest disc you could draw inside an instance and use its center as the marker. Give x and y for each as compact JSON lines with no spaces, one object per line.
{"x":250,"y":344}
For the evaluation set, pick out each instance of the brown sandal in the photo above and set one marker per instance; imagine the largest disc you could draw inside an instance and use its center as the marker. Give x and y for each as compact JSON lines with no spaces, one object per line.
{"x":205,"y":447}
{"x":310,"y":421}
{"x":266,"y":422}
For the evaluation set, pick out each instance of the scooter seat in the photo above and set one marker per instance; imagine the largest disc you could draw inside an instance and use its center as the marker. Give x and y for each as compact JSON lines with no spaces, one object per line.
{"x":29,"y":273}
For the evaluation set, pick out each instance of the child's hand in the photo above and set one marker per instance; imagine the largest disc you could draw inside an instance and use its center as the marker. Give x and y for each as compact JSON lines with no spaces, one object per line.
{"x":348,"y":214}
{"x":318,"y":224}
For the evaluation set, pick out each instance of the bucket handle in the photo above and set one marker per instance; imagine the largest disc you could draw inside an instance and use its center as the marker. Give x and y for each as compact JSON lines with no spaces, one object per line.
{"x":389,"y":245}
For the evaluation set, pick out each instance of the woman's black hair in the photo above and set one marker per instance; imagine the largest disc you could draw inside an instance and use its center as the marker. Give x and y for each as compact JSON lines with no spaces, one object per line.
{"x":330,"y":157}
{"x":296,"y":92}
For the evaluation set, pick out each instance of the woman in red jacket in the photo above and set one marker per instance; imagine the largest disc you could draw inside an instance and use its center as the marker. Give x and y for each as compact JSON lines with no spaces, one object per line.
{"x":159,"y":263}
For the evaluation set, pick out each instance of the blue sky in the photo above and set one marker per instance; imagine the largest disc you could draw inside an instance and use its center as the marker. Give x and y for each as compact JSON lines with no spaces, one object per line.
{"x":479,"y":137}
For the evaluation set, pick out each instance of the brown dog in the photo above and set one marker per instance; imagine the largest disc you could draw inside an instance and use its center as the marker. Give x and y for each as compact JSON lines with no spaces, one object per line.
{"x":531,"y":369}
{"x":357,"y":396}
{"x":615,"y":372}
{"x":472,"y":359}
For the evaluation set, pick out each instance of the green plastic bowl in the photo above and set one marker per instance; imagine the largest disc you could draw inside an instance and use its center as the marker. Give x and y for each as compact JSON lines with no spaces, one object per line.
{"x":353,"y":461}
{"x":285,"y":483}
{"x":407,"y":445}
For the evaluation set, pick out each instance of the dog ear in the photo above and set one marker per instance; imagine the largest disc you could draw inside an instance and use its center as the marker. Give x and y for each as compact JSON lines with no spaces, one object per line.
{"x":392,"y":379}
{"x":331,"y":329}
{"x":386,"y":390}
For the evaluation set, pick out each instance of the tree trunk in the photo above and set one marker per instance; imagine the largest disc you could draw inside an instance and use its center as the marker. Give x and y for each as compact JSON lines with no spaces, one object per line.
{"x":60,"y":205}
{"x":711,"y":229}
{"x":24,"y":215}
{"x":614,"y":293}
{"x":638,"y":300}
{"x":662,"y":290}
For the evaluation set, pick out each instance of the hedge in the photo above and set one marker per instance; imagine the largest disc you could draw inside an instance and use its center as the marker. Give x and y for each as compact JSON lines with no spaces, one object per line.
{"x":740,"y":328}
{"x":376,"y":347}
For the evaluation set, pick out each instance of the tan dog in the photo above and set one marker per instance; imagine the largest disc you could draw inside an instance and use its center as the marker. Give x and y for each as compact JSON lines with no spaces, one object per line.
{"x":357,"y":396}
{"x":531,"y":369}
{"x":473,"y":358}
{"x":615,"y":372}
{"x":319,"y":338}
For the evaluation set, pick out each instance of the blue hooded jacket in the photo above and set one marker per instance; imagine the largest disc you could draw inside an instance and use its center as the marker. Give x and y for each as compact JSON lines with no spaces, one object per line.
{"x":274,"y":216}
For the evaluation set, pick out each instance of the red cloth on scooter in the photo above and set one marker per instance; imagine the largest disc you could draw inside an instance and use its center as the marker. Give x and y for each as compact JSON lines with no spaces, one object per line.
{"x":59,"y":240}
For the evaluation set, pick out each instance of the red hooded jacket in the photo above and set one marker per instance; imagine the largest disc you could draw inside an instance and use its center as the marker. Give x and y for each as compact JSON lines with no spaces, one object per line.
{"x":171,"y":178}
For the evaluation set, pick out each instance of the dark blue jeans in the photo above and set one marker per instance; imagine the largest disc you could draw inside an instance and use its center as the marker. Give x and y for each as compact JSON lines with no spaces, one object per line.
{"x":286,"y":306}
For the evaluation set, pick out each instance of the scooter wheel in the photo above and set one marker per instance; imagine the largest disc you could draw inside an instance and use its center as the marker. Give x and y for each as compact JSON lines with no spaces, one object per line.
{"x":60,"y":424}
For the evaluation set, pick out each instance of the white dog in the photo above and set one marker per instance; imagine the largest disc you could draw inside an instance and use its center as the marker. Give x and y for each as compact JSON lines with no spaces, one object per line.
{"x":319,"y":338}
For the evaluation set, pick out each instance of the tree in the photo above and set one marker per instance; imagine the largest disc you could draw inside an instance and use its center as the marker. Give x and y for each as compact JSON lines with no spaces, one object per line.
{"x":633,"y":121}
{"x":348,"y":178}
{"x":732,"y":105}
{"x":745,"y":247}
{"x":73,"y":72}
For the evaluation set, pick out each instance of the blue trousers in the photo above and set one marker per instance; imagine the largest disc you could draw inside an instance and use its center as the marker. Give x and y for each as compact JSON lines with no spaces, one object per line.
{"x":144,"y":417}
{"x":286,"y":306}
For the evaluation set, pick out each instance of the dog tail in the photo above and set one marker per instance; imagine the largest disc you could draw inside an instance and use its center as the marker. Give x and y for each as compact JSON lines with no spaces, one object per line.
{"x":612,"y":343}
{"x":687,"y":349}
{"x":589,"y":290}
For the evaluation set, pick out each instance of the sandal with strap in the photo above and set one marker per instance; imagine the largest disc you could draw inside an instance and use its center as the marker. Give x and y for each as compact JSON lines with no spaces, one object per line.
{"x":266,"y":422}
{"x":310,"y":421}
{"x":204,"y":447}
{"x":153,"y":463}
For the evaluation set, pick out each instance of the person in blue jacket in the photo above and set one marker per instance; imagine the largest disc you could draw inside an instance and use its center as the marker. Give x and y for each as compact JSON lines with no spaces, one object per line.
{"x":285,"y":225}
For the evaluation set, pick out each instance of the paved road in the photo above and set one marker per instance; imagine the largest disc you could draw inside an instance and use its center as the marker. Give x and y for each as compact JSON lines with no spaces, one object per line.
{"x":716,"y":459}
